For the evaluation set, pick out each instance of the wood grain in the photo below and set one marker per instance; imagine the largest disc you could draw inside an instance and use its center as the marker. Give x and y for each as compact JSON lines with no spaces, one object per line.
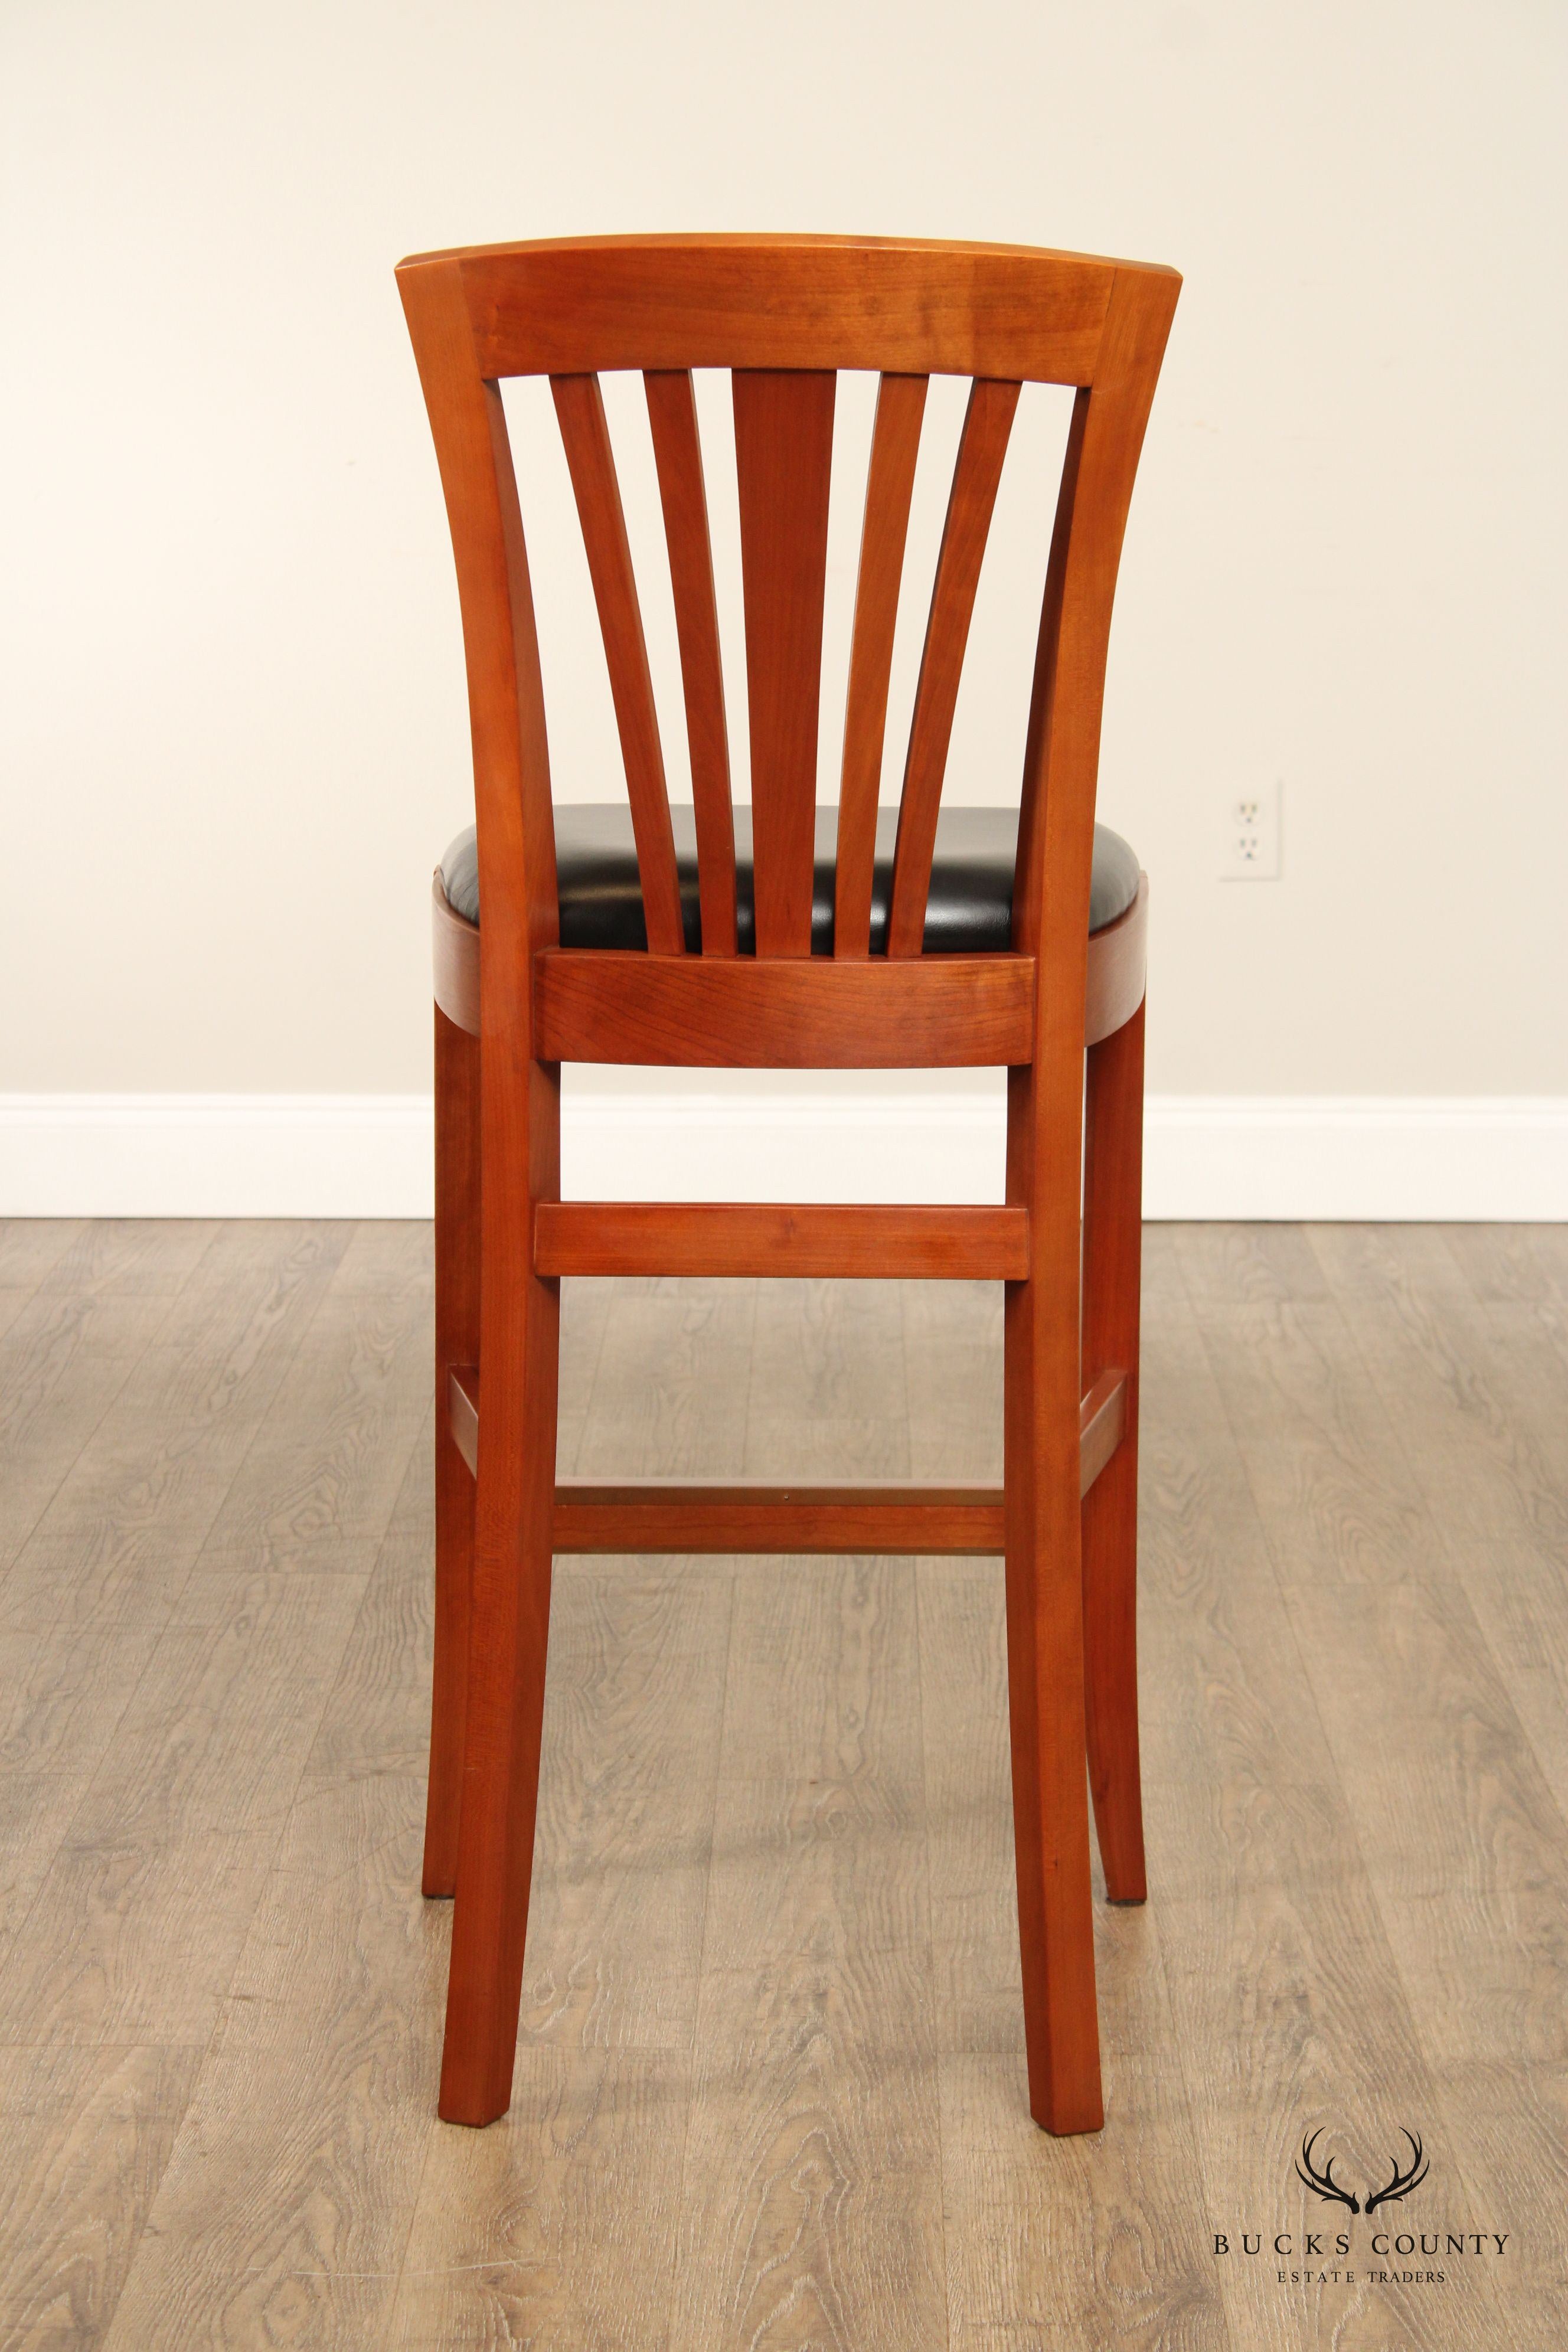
{"x":1094,"y":2247}
{"x":87,"y":2134}
{"x":631,"y":1734}
{"x":671,"y":1392}
{"x":454,"y":962}
{"x":778,"y":1239}
{"x":377,"y":1717}
{"x":284,"y":2210}
{"x":123,"y":1943}
{"x":1112,"y":1237}
{"x":594,"y":1515}
{"x":1355,"y":1848}
{"x":783,"y":453}
{"x":359,"y":1384}
{"x":889,"y":485}
{"x":1334,"y":1937}
{"x":1484,"y":1392}
{"x":952,"y":1378}
{"x":584,"y":1313}
{"x":64,"y":1701}
{"x":815,"y":1941}
{"x":29,"y":1248}
{"x":898,"y":306}
{"x":1237,"y":1785}
{"x":1044,"y":1114}
{"x":678,"y":454}
{"x":508,"y":1609}
{"x":122,"y":1530}
{"x":962,"y":1632}
{"x":459,"y":1203}
{"x":829,"y":1391}
{"x":580,"y":407}
{"x":1114,"y":981}
{"x":983,"y":446}
{"x":1471,"y":1880}
{"x":520,"y":1165}
{"x":77,"y":1333}
{"x":756,"y":1516}
{"x":810,"y":1013}
{"x":557,"y":2225}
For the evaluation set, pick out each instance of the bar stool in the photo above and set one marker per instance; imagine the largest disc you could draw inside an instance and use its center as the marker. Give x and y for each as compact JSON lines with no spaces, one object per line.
{"x":789,"y":936}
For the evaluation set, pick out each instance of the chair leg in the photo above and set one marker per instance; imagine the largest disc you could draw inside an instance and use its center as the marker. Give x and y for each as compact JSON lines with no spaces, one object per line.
{"x":1045,"y":1637}
{"x":1113,"y":1244}
{"x":508,"y":1622}
{"x":456,"y":1343}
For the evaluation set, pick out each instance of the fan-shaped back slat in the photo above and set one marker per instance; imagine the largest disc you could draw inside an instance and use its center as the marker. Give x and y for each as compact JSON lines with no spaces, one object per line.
{"x":987,"y":423}
{"x":783,"y":453}
{"x":678,"y":453}
{"x":889,"y":484}
{"x":585,"y":434}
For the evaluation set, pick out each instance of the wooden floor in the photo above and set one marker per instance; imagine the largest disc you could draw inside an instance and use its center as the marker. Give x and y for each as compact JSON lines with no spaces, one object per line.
{"x":770,"y":2091}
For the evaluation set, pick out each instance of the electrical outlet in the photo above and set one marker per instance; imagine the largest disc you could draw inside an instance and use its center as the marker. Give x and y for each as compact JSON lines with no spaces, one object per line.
{"x":1251,"y":844}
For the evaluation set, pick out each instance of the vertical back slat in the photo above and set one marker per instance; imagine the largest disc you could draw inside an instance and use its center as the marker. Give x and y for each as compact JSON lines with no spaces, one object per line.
{"x":1028,"y":864}
{"x":784,"y":455}
{"x":678,"y":453}
{"x":986,"y":427}
{"x":580,"y":406}
{"x":889,"y":484}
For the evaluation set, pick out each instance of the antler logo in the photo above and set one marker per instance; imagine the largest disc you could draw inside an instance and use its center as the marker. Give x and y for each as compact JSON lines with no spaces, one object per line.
{"x":1323,"y":2184}
{"x":1403,"y":2182}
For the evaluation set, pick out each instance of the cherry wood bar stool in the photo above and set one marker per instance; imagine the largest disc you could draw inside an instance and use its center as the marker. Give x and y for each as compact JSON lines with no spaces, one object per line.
{"x":788,"y":936}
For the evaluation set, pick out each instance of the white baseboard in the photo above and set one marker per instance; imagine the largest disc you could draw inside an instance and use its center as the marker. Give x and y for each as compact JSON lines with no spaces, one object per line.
{"x":216,"y":1155}
{"x":1399,"y":1159}
{"x":1395,"y":1157}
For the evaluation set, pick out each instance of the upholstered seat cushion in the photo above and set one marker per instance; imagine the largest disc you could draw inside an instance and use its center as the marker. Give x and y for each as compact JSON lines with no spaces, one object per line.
{"x":969,"y":912}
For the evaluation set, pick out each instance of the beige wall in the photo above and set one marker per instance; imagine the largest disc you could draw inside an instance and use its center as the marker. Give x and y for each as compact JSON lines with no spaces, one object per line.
{"x":234,"y":727}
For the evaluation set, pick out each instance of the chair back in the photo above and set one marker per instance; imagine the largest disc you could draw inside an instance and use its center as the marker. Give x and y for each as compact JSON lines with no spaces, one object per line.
{"x":784,"y":315}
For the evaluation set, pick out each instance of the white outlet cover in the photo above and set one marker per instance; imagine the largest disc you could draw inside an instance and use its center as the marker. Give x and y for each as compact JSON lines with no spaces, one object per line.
{"x":1249,"y":846}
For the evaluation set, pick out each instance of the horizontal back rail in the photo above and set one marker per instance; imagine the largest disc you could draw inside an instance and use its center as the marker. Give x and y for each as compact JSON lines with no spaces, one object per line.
{"x":899,"y":307}
{"x":792,"y":1014}
{"x":1117,"y":958}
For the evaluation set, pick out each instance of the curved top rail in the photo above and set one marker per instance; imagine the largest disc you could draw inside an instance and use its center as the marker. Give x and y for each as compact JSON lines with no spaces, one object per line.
{"x":900,"y":306}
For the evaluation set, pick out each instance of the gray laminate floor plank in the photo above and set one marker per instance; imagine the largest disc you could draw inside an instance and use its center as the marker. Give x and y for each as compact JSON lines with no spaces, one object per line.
{"x":770,"y":2085}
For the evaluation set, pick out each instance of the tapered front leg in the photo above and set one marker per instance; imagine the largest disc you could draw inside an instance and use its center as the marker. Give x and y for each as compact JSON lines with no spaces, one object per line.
{"x":1044,"y":1628}
{"x":509,"y":1616}
{"x":1113,"y":1253}
{"x":456,"y":1343}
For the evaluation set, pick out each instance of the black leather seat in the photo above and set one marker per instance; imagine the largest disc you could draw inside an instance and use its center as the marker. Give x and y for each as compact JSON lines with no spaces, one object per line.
{"x":969,"y":912}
